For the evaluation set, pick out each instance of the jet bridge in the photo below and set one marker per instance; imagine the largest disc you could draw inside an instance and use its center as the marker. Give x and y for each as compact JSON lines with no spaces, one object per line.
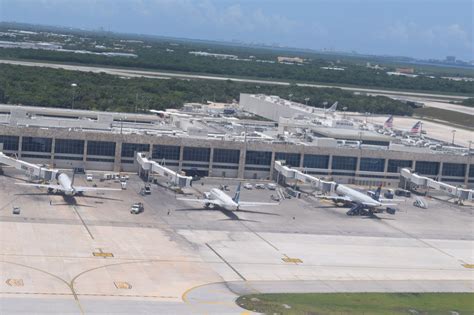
{"x":32,"y":170}
{"x":289,"y":173}
{"x":149,"y":166}
{"x":419,"y":183}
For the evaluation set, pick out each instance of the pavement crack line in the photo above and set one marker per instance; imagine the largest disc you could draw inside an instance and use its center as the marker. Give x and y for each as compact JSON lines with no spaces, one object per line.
{"x":226,"y":262}
{"x":424,"y":242}
{"x":82,"y":220}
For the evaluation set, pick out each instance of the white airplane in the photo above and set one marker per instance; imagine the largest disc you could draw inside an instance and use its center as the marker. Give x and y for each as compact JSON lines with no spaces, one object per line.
{"x":332,"y":109}
{"x":361,"y":204}
{"x":66,"y":186}
{"x":163,"y":113}
{"x":216,"y":198}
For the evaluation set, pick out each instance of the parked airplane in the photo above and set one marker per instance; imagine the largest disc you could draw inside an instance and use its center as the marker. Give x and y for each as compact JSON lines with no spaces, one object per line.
{"x":66,"y":186}
{"x":388,"y":124}
{"x":333,"y":108}
{"x":417,"y":129}
{"x":163,"y":113}
{"x":216,"y":198}
{"x":360,"y":203}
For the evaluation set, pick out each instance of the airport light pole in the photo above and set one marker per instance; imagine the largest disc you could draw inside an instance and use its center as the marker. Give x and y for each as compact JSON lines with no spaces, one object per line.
{"x":73,"y":86}
{"x":454,"y":133}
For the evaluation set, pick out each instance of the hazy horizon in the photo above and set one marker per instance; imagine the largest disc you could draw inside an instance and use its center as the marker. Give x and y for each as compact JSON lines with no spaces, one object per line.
{"x":419,"y":29}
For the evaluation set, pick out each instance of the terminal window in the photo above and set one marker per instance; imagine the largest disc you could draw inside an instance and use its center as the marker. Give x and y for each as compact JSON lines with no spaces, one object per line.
{"x":394,"y":166}
{"x":226,"y":156}
{"x":291,"y":159}
{"x":427,"y":168}
{"x":454,"y":169}
{"x":196,"y":154}
{"x":129,"y":149}
{"x":316,"y":161}
{"x":372,"y":165}
{"x":34,"y":144}
{"x":69,"y":146}
{"x":10,"y":142}
{"x":102,"y":148}
{"x":166,"y":152}
{"x":344,"y":163}
{"x":258,"y":158}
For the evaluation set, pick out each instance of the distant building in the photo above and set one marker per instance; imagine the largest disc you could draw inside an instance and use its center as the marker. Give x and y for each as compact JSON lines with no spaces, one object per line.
{"x":450,"y":58}
{"x":290,"y":59}
{"x":405,"y":70}
{"x":206,"y":54}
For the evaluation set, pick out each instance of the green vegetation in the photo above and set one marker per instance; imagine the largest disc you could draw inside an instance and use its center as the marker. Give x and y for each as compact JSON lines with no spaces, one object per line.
{"x":360,"y":303}
{"x":468,"y":102}
{"x":456,"y":119}
{"x":173,"y":55}
{"x":52,"y":88}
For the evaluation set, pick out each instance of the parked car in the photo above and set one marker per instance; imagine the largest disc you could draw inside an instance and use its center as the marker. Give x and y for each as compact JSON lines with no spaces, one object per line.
{"x":137,"y":208}
{"x":402,"y":192}
{"x":259,"y":186}
{"x":89,"y":177}
{"x":271,"y":186}
{"x":16,"y":210}
{"x":248,"y":186}
{"x":147,"y":189}
{"x":389,"y":194}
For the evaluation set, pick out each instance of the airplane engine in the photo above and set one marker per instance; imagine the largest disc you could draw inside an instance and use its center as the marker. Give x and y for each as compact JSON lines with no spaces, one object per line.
{"x":209,"y":206}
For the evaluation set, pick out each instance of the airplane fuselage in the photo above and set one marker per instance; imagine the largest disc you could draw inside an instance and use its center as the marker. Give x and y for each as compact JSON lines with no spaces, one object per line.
{"x":225,"y":199}
{"x":357,"y":196}
{"x":66,"y":184}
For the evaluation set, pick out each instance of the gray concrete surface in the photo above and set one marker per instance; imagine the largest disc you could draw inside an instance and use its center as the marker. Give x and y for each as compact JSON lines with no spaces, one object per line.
{"x":433,"y":130}
{"x":194,"y":261}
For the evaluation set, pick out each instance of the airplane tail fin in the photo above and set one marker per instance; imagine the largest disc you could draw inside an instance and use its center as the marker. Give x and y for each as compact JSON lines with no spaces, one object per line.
{"x":237,"y":194}
{"x":377,"y":193}
{"x":333,"y":108}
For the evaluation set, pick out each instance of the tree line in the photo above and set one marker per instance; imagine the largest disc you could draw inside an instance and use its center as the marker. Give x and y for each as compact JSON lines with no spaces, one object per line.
{"x":180,"y":60}
{"x":46,"y":87}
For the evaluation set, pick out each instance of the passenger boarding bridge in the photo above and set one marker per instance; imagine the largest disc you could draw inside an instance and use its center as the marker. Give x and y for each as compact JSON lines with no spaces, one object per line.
{"x":419,"y":183}
{"x":31,"y":170}
{"x":148,"y":166}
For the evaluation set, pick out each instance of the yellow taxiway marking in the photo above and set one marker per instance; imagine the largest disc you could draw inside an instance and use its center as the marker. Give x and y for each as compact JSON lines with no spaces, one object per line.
{"x":122,"y":285}
{"x":470,"y":266}
{"x":292,"y":260}
{"x":101,"y":253}
{"x":15,"y":282}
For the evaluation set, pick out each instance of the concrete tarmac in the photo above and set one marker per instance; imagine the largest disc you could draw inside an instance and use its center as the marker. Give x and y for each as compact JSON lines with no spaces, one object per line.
{"x":91,"y":256}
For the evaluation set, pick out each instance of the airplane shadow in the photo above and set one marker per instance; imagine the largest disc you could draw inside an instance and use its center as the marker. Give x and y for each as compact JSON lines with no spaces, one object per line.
{"x":231,"y":215}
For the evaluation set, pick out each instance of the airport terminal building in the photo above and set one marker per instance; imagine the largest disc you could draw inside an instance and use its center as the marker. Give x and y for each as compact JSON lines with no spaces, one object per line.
{"x":210,"y":145}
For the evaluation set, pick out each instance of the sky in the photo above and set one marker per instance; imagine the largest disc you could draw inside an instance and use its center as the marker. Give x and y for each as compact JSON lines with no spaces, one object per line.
{"x":414,"y":28}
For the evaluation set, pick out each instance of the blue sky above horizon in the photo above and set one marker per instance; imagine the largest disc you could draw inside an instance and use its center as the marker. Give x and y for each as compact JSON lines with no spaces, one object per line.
{"x":415,"y":28}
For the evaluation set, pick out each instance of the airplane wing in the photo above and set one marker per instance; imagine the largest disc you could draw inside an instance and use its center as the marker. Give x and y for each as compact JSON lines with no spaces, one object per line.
{"x":370,"y":204}
{"x":336,"y":198}
{"x":57,"y":187}
{"x":82,"y":188}
{"x":256,"y":204}
{"x":202,"y":201}
{"x":391,"y":200}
